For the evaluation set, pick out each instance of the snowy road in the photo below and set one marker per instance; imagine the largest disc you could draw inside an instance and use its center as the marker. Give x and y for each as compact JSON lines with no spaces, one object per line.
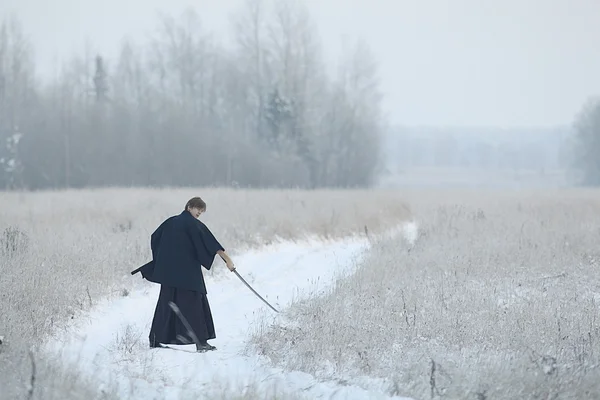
{"x":112,"y":343}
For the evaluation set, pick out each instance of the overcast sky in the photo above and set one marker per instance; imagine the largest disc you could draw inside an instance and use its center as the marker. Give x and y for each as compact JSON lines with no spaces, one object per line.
{"x":498,"y":63}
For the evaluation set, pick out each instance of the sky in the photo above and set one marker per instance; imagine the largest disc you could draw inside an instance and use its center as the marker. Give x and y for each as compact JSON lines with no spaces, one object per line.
{"x":501,"y":64}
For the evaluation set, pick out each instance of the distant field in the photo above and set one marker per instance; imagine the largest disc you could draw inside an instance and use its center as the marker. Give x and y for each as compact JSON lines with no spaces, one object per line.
{"x":60,"y":252}
{"x":449,"y":177}
{"x":498,"y":298}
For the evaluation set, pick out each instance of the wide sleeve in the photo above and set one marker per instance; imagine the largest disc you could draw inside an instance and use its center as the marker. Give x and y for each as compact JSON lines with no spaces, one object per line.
{"x":156,"y":236}
{"x":155,"y":240}
{"x":205,"y":243}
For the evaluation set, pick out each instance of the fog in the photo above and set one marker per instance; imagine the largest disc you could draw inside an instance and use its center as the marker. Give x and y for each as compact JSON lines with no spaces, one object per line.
{"x":510,"y":76}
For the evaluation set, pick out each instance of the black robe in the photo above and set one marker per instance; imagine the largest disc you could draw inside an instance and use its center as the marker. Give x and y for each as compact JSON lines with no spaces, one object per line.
{"x":180,"y":246}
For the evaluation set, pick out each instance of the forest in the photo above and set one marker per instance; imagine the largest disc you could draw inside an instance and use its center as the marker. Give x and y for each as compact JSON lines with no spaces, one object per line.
{"x":183,"y":109}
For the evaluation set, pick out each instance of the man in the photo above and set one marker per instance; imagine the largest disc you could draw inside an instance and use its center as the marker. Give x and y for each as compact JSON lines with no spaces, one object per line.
{"x":181,"y":245}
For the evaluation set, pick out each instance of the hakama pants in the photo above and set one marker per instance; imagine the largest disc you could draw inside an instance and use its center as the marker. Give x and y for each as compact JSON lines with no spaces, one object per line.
{"x":167,"y":327}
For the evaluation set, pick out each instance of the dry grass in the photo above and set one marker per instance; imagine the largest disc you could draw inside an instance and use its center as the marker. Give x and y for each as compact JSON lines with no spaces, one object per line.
{"x":499,"y":298}
{"x":60,"y":252}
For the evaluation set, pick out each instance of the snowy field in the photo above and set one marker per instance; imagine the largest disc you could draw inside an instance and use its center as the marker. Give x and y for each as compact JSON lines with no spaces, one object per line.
{"x":473,"y":178}
{"x":111,"y":344}
{"x":496,"y":295}
{"x":64,"y":253}
{"x":498,"y":299}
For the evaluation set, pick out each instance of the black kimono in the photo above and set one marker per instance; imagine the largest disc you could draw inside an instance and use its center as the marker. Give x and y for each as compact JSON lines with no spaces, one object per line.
{"x":180,"y":246}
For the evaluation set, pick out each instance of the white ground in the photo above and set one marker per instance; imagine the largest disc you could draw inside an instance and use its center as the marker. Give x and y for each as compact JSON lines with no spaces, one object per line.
{"x":111,"y":342}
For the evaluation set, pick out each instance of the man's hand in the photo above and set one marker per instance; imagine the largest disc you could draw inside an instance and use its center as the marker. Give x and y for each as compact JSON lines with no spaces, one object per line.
{"x":227,"y":260}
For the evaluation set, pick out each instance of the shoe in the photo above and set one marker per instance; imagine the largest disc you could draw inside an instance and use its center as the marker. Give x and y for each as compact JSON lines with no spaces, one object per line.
{"x":155,"y":345}
{"x":203,"y":347}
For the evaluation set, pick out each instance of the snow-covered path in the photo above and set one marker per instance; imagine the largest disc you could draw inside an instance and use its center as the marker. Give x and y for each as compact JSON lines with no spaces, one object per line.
{"x":112,"y":343}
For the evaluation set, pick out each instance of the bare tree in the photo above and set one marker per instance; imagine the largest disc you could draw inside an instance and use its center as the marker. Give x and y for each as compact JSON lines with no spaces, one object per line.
{"x":359,"y":148}
{"x":16,"y":99}
{"x":587,"y":143}
{"x":296,"y":89}
{"x":249,"y":27}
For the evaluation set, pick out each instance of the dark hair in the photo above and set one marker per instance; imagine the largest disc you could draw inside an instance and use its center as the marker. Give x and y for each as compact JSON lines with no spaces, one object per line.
{"x":196,"y":202}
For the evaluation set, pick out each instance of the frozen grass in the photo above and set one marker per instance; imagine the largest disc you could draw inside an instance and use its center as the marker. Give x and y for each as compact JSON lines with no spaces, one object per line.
{"x":60,"y":252}
{"x":499,"y":298}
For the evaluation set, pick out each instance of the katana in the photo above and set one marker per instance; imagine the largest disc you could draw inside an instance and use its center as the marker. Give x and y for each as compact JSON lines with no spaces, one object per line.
{"x":148,"y":268}
{"x":254,"y":291}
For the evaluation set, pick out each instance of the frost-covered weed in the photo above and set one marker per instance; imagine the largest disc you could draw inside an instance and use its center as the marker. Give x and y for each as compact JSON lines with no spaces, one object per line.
{"x":499,"y":298}
{"x":61,"y":252}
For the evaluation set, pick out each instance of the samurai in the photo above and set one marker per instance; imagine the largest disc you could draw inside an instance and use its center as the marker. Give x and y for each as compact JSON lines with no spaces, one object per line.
{"x":181,"y":245}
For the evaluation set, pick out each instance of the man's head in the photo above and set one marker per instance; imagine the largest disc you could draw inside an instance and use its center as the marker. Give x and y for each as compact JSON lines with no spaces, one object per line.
{"x":195,"y":206}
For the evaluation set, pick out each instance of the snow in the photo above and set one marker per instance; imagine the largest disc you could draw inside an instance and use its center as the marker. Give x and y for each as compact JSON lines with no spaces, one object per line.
{"x":281,"y":274}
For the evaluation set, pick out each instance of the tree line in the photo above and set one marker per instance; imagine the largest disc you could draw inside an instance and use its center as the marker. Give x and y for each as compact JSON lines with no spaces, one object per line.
{"x":182,"y":109}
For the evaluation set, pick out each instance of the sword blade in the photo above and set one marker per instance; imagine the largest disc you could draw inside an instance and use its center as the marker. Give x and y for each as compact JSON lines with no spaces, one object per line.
{"x":254,"y":291}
